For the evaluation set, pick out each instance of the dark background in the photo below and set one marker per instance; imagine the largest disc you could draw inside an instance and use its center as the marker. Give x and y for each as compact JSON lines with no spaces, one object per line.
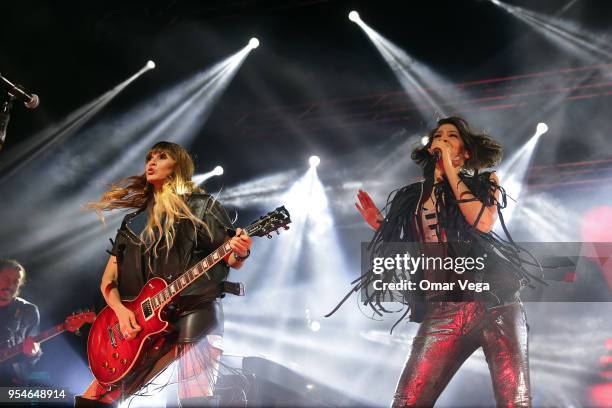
{"x":71,"y":52}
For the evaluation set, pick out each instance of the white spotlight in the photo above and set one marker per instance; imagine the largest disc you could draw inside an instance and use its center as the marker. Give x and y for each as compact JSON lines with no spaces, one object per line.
{"x":541,"y":129}
{"x":150,"y":64}
{"x":217,"y":171}
{"x":314,"y":161}
{"x":354,"y":16}
{"x":315,"y":326}
{"x":253,"y":43}
{"x":425,"y":140}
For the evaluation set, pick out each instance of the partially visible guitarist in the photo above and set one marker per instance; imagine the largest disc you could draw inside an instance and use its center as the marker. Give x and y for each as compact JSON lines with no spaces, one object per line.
{"x":174,"y":226}
{"x":19,"y":321}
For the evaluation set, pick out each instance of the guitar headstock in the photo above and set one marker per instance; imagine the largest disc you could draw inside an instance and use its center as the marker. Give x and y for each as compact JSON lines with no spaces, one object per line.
{"x":74,"y":322}
{"x":269,"y":223}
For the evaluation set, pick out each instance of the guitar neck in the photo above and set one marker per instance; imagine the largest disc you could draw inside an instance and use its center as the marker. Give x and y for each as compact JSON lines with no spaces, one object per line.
{"x":50,"y":333}
{"x":198,"y":270}
{"x":15,"y":350}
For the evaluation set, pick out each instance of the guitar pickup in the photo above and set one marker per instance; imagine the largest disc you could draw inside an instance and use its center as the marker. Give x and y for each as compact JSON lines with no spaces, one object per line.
{"x":147,"y":309}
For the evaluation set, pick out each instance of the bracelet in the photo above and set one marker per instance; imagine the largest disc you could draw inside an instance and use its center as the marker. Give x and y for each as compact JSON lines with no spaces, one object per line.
{"x":242,"y":258}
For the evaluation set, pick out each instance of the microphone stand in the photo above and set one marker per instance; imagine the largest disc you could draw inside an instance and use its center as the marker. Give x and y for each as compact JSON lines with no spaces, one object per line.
{"x":5,"y":115}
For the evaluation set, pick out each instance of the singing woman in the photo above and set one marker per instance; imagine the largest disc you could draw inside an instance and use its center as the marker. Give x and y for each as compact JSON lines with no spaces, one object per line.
{"x":456,"y":205}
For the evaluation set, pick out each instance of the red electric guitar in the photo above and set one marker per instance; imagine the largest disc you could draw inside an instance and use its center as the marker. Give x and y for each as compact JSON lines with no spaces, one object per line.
{"x":72,"y":324}
{"x":111,"y":356}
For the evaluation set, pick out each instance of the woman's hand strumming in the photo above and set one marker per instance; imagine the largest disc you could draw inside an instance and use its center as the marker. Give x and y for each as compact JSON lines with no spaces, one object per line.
{"x":127,"y":322}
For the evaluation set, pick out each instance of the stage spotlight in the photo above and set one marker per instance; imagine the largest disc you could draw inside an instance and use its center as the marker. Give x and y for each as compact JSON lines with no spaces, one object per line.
{"x":418,"y":80}
{"x":201,"y":178}
{"x":354,"y":16}
{"x":514,"y":172}
{"x":253,"y":43}
{"x":425,"y":140}
{"x":314,"y":161}
{"x":315,"y":326}
{"x":52,"y":135}
{"x":541,"y":129}
{"x":150,"y":64}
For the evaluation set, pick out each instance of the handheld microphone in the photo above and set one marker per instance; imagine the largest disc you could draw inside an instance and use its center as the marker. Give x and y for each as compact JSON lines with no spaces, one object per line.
{"x":437,"y":155}
{"x":30,"y":100}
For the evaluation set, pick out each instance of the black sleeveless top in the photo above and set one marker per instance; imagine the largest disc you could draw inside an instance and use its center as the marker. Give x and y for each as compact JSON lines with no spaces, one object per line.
{"x":136,"y":265}
{"x":195,"y":313}
{"x":505,"y":270}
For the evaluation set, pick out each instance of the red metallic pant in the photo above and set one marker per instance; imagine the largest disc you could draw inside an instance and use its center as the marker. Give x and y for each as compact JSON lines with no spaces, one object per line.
{"x":449,"y":334}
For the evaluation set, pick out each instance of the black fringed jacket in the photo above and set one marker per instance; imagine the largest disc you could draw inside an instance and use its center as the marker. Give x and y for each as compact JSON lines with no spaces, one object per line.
{"x":504,"y":272}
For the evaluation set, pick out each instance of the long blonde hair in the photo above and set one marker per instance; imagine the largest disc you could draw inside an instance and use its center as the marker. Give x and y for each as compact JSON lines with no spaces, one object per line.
{"x":169,"y":205}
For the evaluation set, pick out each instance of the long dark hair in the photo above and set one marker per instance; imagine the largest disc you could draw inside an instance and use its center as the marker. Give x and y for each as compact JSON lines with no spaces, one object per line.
{"x":484,"y":150}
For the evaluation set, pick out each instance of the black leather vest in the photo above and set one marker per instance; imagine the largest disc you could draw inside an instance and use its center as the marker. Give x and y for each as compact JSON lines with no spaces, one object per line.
{"x":136,"y":266}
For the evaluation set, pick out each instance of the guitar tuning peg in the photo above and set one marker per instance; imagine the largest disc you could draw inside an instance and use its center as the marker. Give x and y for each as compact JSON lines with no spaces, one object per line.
{"x":277,"y":232}
{"x":269,"y":236}
{"x":286,"y":227}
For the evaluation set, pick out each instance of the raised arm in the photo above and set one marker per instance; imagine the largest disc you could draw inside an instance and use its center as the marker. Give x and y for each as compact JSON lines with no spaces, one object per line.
{"x":368,"y":210}
{"x":471,"y":209}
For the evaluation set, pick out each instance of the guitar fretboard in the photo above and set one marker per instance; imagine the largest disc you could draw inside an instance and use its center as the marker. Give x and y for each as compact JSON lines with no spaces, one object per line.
{"x":201,"y":268}
{"x":49,"y":333}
